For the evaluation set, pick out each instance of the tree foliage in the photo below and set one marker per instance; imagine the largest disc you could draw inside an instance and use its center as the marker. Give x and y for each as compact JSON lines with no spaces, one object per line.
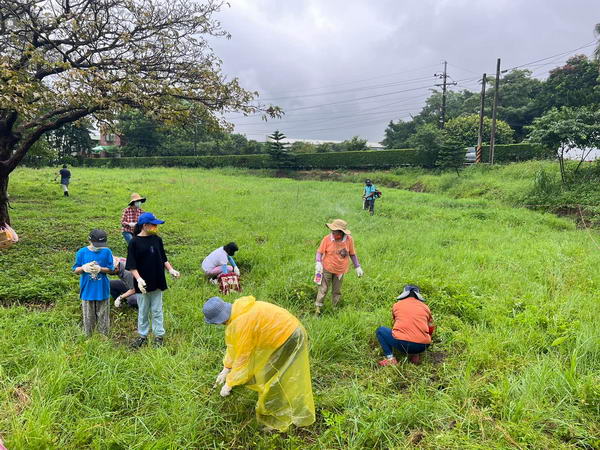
{"x":464,"y":130}
{"x":566,"y":130}
{"x":428,"y":140}
{"x":63,"y":60}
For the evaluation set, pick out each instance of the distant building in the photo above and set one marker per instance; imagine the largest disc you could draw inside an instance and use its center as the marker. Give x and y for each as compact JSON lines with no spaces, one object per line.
{"x":108,"y":144}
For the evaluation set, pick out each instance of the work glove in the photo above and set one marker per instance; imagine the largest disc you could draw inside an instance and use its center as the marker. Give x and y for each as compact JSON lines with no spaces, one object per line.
{"x":222,"y":376}
{"x":225,"y":390}
{"x":319,"y":267}
{"x":118,"y":302}
{"x":359,"y":272}
{"x":132,"y":224}
{"x":141,"y":285}
{"x":236,"y":269}
{"x":174,"y":273}
{"x":91,"y":268}
{"x":431,"y":330}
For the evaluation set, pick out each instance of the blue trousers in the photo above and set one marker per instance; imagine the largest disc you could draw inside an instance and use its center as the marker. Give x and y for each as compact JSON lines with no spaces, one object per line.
{"x":150,"y":309}
{"x":389,"y":342}
{"x":127,"y":236}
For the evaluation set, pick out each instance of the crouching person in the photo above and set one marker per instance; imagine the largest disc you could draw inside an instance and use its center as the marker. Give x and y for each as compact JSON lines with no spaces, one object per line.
{"x":123,"y":289}
{"x":267,"y":351}
{"x":412,"y":329}
{"x":220,"y":261}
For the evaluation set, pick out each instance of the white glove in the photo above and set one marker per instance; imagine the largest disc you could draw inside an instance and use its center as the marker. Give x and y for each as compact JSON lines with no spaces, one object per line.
{"x":132,"y":224}
{"x":225,"y":390}
{"x":359,"y":272}
{"x":236,"y":270}
{"x":222,"y":376}
{"x":318,"y":267}
{"x":174,"y":273}
{"x":92,"y":268}
{"x":118,"y":302}
{"x":142,"y":285}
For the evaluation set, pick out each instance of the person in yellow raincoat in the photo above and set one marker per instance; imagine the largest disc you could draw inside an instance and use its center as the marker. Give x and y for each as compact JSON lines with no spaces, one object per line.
{"x":267,"y":351}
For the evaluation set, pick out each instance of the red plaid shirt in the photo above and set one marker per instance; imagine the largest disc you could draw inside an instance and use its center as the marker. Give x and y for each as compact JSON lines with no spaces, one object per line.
{"x":130,"y":214}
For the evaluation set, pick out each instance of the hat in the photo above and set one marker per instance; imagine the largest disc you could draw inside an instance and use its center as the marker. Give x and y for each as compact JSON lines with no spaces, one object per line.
{"x":411,"y":290}
{"x":98,"y":238}
{"x":368,"y":180}
{"x":148,"y":217}
{"x":338,"y":225}
{"x":216,"y":311}
{"x":135,"y":197}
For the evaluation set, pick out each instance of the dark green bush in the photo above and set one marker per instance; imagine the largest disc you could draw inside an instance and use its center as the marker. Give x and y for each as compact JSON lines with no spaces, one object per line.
{"x":524,"y":151}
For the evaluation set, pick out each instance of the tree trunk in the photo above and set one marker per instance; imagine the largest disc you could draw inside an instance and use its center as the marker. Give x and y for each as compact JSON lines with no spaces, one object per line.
{"x":4,"y":217}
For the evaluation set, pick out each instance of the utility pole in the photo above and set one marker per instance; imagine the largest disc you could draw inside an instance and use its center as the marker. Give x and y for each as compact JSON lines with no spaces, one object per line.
{"x":494,"y":108}
{"x":444,"y":77}
{"x":480,"y":131}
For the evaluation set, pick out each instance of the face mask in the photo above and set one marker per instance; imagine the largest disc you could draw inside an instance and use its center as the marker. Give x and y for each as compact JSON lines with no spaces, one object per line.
{"x":137,"y":204}
{"x":152,"y":230}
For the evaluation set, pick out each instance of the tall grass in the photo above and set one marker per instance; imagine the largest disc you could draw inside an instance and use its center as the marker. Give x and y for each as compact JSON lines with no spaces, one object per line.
{"x":515,"y":362}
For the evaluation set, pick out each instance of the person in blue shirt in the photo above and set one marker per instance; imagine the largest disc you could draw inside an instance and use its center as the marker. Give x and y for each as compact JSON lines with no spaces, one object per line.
{"x":369,"y":196}
{"x":92,"y":263}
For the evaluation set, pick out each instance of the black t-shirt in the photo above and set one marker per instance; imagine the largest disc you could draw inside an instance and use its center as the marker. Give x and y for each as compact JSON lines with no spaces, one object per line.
{"x":64,"y":174}
{"x":147,"y":255}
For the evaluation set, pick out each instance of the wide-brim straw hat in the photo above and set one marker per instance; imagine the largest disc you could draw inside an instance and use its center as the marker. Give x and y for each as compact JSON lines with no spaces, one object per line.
{"x":339,"y":225}
{"x":135,"y":197}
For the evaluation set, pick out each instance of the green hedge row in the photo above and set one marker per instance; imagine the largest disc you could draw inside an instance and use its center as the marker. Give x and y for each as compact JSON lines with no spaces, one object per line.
{"x":333,"y":160}
{"x":371,"y":159}
{"x":505,"y":153}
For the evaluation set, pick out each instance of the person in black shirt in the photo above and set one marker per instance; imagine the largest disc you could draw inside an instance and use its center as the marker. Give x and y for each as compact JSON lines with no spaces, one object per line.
{"x":65,"y":177}
{"x":147,"y":260}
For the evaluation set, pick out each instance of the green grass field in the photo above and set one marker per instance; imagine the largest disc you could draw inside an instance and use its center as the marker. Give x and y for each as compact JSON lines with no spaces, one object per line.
{"x":515,"y":362}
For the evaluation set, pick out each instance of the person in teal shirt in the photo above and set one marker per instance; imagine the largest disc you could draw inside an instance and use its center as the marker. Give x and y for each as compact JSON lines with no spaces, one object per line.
{"x":369,"y":196}
{"x":92,"y":263}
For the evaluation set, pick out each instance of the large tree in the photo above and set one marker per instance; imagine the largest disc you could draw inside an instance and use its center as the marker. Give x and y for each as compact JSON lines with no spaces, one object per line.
{"x":62,"y":60}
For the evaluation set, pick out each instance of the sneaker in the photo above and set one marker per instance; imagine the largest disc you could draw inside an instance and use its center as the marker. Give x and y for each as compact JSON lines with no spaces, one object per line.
{"x":388,"y":362}
{"x":139,"y":342}
{"x":415,"y":359}
{"x":158,"y":341}
{"x":214,"y":281}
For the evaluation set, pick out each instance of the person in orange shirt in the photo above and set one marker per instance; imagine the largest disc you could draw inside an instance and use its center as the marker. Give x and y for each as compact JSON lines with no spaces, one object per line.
{"x":332,"y":261}
{"x":412,"y":329}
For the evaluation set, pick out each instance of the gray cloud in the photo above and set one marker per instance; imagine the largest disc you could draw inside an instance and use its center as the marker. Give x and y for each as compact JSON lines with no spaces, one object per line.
{"x":305,"y":53}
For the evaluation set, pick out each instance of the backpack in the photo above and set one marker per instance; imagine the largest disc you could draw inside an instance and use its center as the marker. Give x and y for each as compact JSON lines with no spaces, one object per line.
{"x":229,"y":282}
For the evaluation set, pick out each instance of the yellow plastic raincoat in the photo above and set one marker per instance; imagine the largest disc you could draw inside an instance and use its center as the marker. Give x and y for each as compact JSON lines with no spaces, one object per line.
{"x":267,"y":351}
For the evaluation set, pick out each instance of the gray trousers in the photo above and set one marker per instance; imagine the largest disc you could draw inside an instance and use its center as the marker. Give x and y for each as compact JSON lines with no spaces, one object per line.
{"x":96,"y":314}
{"x":334,"y":281}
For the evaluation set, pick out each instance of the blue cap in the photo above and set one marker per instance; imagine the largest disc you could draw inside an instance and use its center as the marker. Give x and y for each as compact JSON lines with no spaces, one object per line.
{"x":148,"y":217}
{"x":216,"y":311}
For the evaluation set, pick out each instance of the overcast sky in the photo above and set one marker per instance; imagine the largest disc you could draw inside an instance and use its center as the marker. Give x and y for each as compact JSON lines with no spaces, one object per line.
{"x":341,"y":68}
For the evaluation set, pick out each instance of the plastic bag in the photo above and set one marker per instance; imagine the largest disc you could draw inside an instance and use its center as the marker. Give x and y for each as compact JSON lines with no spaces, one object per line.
{"x":8,"y":237}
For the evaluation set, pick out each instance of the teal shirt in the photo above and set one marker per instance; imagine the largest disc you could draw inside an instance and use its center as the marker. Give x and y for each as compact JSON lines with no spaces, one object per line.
{"x":370,"y":190}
